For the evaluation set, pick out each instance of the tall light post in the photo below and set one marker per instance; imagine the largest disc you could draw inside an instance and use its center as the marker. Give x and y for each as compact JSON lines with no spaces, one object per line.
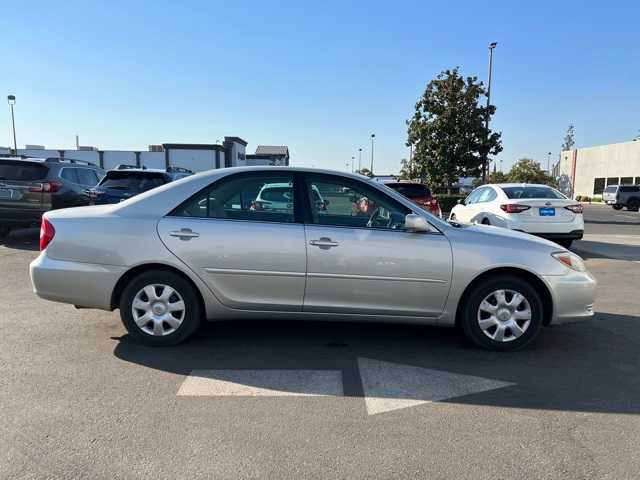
{"x":11,"y":99}
{"x":549,"y":163}
{"x":359,"y":160}
{"x":492,"y":45}
{"x":353,"y":164}
{"x":373,"y":136}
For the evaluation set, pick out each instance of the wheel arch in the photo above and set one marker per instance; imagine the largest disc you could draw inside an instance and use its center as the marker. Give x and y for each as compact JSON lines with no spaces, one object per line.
{"x":146,"y":267}
{"x":540,"y":286}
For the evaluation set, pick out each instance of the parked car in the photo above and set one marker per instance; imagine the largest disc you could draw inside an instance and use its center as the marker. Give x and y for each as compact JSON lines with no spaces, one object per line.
{"x":536,"y":209}
{"x":31,"y":186}
{"x":127,"y":181}
{"x":194,"y":249}
{"x":619,"y":196}
{"x":278,"y":197}
{"x":418,"y":193}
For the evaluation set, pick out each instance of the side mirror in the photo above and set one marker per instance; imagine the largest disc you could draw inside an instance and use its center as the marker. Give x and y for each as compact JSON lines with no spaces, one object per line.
{"x":416,"y":223}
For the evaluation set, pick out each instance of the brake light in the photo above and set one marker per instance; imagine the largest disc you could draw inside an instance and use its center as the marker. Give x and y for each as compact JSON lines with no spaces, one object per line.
{"x":47,"y":232}
{"x":574,"y":208}
{"x":47,"y":187}
{"x":514,"y":208}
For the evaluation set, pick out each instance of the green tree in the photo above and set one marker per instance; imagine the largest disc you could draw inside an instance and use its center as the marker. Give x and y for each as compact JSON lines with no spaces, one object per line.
{"x":527,"y":170}
{"x":447,"y":130}
{"x":569,"y":138}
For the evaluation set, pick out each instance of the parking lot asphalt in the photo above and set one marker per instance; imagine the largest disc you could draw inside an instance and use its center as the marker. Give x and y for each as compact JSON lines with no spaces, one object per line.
{"x":79,"y":399}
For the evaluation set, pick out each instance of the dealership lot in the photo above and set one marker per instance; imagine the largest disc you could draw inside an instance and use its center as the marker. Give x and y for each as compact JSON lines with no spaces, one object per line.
{"x":293,"y":400}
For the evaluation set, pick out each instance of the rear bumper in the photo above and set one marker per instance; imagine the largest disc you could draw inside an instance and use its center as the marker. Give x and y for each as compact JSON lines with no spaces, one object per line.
{"x":83,"y":284}
{"x":572,"y":235}
{"x":573,"y":296}
{"x":20,"y":217}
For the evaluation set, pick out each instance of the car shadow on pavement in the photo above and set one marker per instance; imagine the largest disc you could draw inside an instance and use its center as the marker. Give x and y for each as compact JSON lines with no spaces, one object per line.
{"x":22,"y":239}
{"x":615,"y":251}
{"x":588,"y":367}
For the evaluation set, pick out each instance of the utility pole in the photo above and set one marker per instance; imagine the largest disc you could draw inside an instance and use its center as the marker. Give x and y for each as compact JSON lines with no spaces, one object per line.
{"x":373,"y":136}
{"x":486,"y":120}
{"x":11,"y":99}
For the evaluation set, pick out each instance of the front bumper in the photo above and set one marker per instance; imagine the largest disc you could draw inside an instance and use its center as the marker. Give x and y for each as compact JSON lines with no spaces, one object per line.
{"x":83,"y":284}
{"x":573,"y":296}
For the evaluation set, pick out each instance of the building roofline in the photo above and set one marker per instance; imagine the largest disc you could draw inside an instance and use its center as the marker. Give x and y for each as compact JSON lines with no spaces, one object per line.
{"x":193,"y":146}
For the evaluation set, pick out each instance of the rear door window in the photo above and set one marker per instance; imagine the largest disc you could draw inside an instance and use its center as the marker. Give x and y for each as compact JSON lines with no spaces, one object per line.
{"x":69,"y":174}
{"x":22,"y":171}
{"x":86,"y":177}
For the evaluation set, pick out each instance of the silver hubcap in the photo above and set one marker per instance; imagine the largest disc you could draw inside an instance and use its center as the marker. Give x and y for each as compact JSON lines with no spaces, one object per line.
{"x":158,"y":310}
{"x":504,"y":315}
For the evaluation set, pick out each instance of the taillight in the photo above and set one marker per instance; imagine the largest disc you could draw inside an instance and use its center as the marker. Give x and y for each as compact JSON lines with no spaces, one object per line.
{"x":574,"y":208}
{"x":514,"y":208}
{"x":47,"y":233}
{"x":47,"y":187}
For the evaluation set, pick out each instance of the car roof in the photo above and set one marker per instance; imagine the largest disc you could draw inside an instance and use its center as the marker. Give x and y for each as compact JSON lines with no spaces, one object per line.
{"x":138,"y":170}
{"x":523,"y":185}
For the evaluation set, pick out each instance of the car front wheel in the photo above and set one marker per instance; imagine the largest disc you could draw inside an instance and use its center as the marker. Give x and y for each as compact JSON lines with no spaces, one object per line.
{"x":160,"y":308}
{"x":503,"y":313}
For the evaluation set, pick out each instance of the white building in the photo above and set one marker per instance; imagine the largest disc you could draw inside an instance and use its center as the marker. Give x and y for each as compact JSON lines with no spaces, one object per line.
{"x":587,"y":171}
{"x":196,"y":157}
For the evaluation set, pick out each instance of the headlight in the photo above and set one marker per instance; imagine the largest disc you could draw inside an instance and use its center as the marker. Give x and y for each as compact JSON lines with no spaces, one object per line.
{"x":571,"y":260}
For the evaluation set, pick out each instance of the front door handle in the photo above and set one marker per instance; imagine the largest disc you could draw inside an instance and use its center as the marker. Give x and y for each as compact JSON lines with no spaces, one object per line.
{"x":184,"y":234}
{"x":324,"y":243}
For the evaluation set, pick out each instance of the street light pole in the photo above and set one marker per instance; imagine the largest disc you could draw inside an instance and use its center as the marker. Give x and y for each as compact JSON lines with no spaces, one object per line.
{"x":353,"y":164}
{"x":549,"y":163}
{"x":359,"y":160}
{"x":486,"y":120}
{"x":11,"y":99}
{"x":373,"y":136}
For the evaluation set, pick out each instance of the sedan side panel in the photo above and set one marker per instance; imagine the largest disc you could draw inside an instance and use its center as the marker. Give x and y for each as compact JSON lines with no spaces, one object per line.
{"x":373,"y":271}
{"x":248,"y":265}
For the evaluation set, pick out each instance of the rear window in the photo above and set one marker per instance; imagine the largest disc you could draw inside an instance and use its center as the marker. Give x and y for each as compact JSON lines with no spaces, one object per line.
{"x":532,"y":192}
{"x":138,"y":181}
{"x":24,"y":171}
{"x":410,"y":189}
{"x":630,"y":189}
{"x":612,"y":189}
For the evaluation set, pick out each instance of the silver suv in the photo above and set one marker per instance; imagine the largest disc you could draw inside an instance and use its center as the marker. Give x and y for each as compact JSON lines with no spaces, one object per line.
{"x":619,"y":196}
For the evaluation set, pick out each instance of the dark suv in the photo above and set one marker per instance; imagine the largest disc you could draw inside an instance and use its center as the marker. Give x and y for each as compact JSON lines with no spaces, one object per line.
{"x":31,"y":186}
{"x":619,"y":196}
{"x":128,"y":181}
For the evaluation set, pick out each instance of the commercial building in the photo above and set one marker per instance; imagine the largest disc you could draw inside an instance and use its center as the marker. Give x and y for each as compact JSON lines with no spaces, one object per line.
{"x":196,"y":157}
{"x":588,"y":171}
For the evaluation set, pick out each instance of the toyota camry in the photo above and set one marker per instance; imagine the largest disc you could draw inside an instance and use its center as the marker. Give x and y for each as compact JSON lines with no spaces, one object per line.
{"x":199,"y":249}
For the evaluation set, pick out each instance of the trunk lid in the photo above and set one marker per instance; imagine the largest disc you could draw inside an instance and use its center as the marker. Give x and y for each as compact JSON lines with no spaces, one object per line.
{"x":546,"y":210}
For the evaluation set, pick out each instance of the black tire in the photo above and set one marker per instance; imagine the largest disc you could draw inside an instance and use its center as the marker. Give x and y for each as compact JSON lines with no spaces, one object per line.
{"x":452,"y":216}
{"x":4,"y":231}
{"x":617,"y":207}
{"x":485,"y":221}
{"x":633,"y":205}
{"x":565,"y":242}
{"x":192,"y":309}
{"x":469,"y":319}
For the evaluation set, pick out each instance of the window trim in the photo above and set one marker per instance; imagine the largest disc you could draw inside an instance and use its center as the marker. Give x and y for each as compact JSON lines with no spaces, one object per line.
{"x":297,"y":213}
{"x":308,"y":217}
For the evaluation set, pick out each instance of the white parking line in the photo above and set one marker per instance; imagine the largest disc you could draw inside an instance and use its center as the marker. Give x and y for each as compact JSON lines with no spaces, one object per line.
{"x":262,"y":383}
{"x":393,"y":386}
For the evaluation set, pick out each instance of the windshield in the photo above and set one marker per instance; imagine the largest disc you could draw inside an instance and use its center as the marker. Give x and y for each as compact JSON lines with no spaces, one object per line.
{"x":611,"y":189}
{"x":532,"y":192}
{"x":411,"y":190}
{"x":23,"y":171}
{"x":277,"y":194}
{"x":138,"y":181}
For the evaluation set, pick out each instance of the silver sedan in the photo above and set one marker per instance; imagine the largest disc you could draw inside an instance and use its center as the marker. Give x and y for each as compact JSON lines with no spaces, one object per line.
{"x":316,"y":245}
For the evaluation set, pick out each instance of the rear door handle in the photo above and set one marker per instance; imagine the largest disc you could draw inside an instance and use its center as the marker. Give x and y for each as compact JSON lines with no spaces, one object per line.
{"x":184,"y":234}
{"x":323,"y":243}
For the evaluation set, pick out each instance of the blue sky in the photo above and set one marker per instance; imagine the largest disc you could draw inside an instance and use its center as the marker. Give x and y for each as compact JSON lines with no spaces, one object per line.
{"x":317,"y":76}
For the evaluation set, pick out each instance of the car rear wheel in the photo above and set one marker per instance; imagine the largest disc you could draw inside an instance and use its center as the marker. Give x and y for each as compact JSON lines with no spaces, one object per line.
{"x":565,"y":242}
{"x":633,"y":205}
{"x":617,"y":207}
{"x":160,"y":308}
{"x":4,"y":231}
{"x":504,"y":313}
